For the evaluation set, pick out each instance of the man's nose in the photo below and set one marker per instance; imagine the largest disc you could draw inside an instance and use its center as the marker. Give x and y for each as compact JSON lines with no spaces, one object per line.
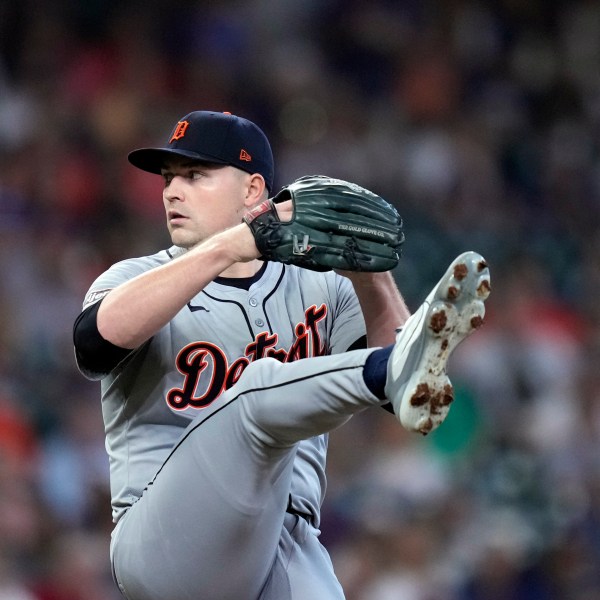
{"x":174,"y":191}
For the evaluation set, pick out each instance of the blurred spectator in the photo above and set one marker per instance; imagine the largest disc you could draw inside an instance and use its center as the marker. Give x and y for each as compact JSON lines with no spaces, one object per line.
{"x":75,"y":568}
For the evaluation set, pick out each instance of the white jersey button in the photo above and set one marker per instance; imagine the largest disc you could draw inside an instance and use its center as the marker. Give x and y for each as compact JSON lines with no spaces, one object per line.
{"x":259,"y":322}
{"x":253,"y":302}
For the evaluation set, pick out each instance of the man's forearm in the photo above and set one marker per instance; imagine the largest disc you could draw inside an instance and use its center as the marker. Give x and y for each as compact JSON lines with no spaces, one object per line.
{"x":134,"y":311}
{"x":382,"y":305}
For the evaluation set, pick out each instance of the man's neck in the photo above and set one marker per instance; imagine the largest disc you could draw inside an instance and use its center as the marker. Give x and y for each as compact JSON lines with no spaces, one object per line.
{"x":242,"y":269}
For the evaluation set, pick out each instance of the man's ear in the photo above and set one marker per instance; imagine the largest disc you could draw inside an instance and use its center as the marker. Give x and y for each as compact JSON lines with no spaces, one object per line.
{"x":256,"y":190}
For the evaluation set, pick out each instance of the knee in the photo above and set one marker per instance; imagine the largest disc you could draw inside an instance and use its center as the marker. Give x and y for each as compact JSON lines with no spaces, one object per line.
{"x":259,"y":374}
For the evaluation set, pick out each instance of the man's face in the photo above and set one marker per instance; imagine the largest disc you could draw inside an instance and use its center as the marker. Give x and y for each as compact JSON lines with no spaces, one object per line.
{"x":202,"y":199}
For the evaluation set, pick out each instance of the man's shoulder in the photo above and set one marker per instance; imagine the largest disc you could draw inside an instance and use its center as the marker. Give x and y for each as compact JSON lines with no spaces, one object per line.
{"x":308,"y":276}
{"x":150,"y":260}
{"x":124,"y":270}
{"x":130,"y":267}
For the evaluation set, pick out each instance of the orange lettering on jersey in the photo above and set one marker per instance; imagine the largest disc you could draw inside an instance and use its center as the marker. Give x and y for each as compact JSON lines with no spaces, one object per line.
{"x":234,"y":372}
{"x":307,"y":335}
{"x":180,"y":130}
{"x":245,"y":156}
{"x":191,"y":362}
{"x":208,"y":360}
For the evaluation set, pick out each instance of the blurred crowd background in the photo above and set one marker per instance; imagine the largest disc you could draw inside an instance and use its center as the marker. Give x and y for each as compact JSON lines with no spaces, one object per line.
{"x":479,"y":120}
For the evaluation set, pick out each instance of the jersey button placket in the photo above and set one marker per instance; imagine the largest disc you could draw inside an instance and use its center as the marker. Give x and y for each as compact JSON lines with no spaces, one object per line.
{"x":253,"y":302}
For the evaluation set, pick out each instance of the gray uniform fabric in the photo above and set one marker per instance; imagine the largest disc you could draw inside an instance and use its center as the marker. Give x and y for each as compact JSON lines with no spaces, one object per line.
{"x":207,"y":442}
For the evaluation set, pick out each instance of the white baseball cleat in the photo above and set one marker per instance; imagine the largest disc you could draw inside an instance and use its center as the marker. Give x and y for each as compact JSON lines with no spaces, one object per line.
{"x":417,"y":384}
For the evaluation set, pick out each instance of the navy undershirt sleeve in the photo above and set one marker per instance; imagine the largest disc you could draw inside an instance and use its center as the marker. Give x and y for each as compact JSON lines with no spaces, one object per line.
{"x":95,"y":354}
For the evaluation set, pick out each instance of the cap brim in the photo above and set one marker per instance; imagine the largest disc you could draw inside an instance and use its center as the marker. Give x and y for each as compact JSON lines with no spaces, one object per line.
{"x":153,"y":160}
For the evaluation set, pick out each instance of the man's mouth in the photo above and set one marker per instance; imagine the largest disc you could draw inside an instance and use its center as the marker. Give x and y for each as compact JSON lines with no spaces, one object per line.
{"x":175,"y":216}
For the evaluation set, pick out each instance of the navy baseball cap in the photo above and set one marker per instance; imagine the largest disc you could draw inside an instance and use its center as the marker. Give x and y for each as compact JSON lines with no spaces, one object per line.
{"x":213,"y":137}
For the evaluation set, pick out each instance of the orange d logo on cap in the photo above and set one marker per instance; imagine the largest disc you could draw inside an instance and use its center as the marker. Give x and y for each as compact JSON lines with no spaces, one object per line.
{"x":180,"y":130}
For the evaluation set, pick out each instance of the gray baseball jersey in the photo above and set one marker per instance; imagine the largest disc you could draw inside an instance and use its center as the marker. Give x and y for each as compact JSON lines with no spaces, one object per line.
{"x":152,"y":396}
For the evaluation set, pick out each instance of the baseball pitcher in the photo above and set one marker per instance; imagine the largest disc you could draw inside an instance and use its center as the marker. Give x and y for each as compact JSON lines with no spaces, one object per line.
{"x":226,"y":359}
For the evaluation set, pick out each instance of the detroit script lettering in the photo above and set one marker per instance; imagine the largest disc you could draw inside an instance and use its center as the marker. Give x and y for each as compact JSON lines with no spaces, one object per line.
{"x":194,"y":358}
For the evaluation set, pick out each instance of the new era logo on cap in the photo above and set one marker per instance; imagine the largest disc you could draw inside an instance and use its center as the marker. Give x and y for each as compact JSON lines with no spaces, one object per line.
{"x":213,"y":137}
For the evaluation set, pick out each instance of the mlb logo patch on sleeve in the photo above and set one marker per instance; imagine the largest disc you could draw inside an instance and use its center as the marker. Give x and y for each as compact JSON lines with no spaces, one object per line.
{"x":94,"y":297}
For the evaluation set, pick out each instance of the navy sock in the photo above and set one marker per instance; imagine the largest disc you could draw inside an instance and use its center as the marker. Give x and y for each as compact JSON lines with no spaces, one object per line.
{"x":375,"y":370}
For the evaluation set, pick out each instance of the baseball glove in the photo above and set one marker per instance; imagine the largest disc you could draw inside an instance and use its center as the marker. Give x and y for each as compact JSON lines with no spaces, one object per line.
{"x":335,"y":225}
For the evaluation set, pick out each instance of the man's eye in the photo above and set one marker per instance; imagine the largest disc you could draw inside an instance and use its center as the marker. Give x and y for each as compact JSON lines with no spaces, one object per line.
{"x":167,"y":178}
{"x":196,"y":175}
